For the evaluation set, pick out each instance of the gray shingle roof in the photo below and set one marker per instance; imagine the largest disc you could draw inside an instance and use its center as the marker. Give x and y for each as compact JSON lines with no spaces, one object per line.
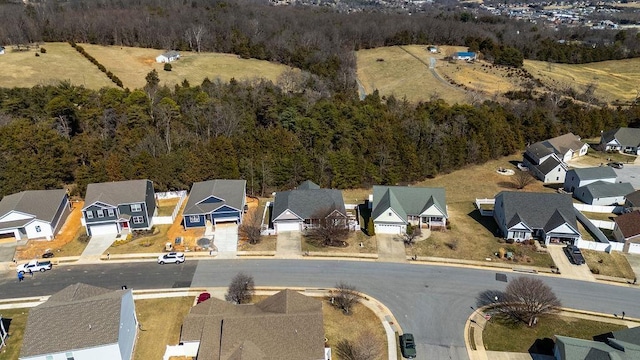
{"x":593,"y":173}
{"x":77,"y":317}
{"x":563,"y":143}
{"x":405,"y":200}
{"x":538,"y":210}
{"x":267,"y":330}
{"x":308,"y":185}
{"x":231,"y":192}
{"x":117,"y":192}
{"x":43,"y":204}
{"x":548,"y":165}
{"x":601,"y":189}
{"x":308,"y":203}
{"x":625,"y":136}
{"x":539,"y":150}
{"x":624,"y":345}
{"x":170,"y":53}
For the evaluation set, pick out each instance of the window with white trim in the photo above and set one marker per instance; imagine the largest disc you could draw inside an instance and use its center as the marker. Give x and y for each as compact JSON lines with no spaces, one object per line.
{"x":89,"y":214}
{"x":519,"y":234}
{"x":38,"y":229}
{"x":136,"y":207}
{"x":138,"y":219}
{"x":194,"y":218}
{"x":100,"y":213}
{"x":110,"y":212}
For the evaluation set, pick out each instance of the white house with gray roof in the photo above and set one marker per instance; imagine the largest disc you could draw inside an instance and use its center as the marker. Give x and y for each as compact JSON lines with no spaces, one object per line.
{"x":305,"y":206}
{"x":584,"y":176}
{"x":168,"y":56}
{"x":621,"y":139}
{"x":215,"y":201}
{"x":118,"y":207}
{"x":545,"y":164}
{"x":82,"y":322}
{"x":394,"y":207}
{"x":603,"y":193}
{"x":33,"y":214}
{"x":549,"y":217}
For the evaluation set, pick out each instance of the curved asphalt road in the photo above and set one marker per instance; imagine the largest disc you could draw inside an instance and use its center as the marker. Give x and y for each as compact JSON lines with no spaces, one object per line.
{"x":432,"y":302}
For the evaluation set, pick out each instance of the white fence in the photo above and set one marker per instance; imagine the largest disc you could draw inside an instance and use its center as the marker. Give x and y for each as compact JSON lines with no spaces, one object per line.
{"x":603,"y":224}
{"x":598,"y":246}
{"x":265,"y":227}
{"x":182,"y":194}
{"x":485,"y":212}
{"x":599,"y":209}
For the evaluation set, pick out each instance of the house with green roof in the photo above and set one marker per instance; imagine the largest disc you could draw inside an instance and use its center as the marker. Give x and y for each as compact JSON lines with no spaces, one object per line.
{"x":33,"y":214}
{"x":618,"y":345}
{"x":394,"y":207}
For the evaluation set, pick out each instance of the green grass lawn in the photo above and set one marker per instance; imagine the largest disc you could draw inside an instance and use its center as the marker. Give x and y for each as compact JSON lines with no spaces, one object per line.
{"x":503,"y":336}
{"x":18,"y":323}
{"x":145,"y":244}
{"x":369,"y":245}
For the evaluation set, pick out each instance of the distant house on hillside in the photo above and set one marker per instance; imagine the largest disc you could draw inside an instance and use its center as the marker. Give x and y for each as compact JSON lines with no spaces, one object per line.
{"x":465,"y":55}
{"x":621,"y":139}
{"x":1,"y":50}
{"x":167,"y":57}
{"x":432,"y":49}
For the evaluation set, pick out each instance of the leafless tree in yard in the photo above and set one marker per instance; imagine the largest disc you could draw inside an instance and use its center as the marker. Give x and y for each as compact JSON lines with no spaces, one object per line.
{"x":250,"y":227}
{"x":329,"y":228}
{"x":365,"y":347}
{"x":523,"y":178}
{"x":411,"y":235}
{"x":344,"y":297}
{"x":525,"y":299}
{"x":240,"y":290}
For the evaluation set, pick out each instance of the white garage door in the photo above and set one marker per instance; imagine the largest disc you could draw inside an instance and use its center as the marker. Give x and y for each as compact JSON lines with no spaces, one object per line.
{"x":287,"y":226}
{"x":388,"y":229}
{"x":103,"y":229}
{"x":634,"y":248}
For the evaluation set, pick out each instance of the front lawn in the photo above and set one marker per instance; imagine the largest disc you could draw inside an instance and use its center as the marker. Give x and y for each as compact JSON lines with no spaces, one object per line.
{"x":503,"y":336}
{"x":613,"y":264}
{"x":151,"y":243}
{"x":267,"y":243}
{"x":369,"y":245}
{"x":17,"y":324}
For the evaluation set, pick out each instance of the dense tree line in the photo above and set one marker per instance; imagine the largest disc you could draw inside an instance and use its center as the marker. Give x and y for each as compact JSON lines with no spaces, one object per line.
{"x":56,"y":135}
{"x":317,"y":40}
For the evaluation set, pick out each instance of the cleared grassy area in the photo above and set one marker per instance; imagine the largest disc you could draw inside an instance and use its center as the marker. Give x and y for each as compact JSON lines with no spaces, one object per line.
{"x":132,"y":64}
{"x":267,"y":243}
{"x":166,"y":206}
{"x":503,"y":336}
{"x":369,"y":245}
{"x":599,"y":216}
{"x":60,"y":63}
{"x":338,"y":326}
{"x":615,"y":80}
{"x":160,"y":324}
{"x":144,"y":244}
{"x":16,"y":328}
{"x":613,"y":264}
{"x":74,"y":247}
{"x":597,"y":158}
{"x":394,"y":71}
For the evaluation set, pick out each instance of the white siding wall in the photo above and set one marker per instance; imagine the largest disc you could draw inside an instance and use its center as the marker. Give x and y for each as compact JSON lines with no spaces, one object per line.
{"x":608,"y":200}
{"x":12,"y":216}
{"x":107,"y":352}
{"x":128,"y":326}
{"x":45,"y":230}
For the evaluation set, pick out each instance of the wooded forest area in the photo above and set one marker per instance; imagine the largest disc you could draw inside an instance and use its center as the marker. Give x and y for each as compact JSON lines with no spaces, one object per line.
{"x":309,"y":125}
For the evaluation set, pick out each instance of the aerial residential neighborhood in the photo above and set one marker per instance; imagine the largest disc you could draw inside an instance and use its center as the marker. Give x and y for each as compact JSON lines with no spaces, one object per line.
{"x":319,"y":180}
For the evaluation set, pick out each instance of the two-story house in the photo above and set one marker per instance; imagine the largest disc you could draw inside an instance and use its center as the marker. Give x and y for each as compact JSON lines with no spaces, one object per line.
{"x":545,"y":164}
{"x":118,"y":207}
{"x":33,"y":214}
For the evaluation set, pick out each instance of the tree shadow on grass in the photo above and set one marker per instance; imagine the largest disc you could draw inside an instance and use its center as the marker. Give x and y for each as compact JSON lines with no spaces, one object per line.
{"x":508,"y":185}
{"x":486,"y":221}
{"x":542,"y":347}
{"x":489,"y":297}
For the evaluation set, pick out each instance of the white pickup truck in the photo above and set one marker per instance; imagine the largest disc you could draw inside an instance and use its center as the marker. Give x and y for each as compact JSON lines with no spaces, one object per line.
{"x":34,"y":265}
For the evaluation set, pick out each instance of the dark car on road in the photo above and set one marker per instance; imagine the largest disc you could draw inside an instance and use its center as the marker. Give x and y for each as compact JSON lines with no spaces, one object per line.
{"x":407,"y":346}
{"x":574,"y":254}
{"x":616,"y":165}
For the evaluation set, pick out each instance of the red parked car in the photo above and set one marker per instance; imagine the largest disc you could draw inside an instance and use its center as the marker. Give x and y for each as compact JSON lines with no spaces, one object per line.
{"x":203,"y":297}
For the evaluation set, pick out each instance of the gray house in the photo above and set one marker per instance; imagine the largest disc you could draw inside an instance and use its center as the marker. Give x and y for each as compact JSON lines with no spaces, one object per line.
{"x":618,"y":345}
{"x":303,"y":207}
{"x":82,"y":322}
{"x":549,"y":217}
{"x":621,"y":139}
{"x":119,"y":207}
{"x":545,"y":164}
{"x":603,"y":193}
{"x":34,"y":214}
{"x":394,"y":207}
{"x":215,"y":201}
{"x":584,"y":176}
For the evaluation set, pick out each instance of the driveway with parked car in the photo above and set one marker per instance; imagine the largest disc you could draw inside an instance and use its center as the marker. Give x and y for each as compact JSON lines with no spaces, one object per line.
{"x":567,"y":269}
{"x":629,"y":173}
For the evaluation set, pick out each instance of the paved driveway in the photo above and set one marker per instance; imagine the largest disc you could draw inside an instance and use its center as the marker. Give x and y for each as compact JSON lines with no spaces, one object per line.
{"x":634,"y":261}
{"x":97,"y":245}
{"x":226,"y":238}
{"x":390,"y":248}
{"x":7,"y":251}
{"x":289,"y":244}
{"x":567,"y":269}
{"x":629,"y":173}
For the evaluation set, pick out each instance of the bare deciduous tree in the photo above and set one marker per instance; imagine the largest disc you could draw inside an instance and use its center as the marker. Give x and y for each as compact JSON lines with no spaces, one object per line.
{"x":250,"y":227}
{"x":344,"y":297}
{"x":525,"y":299}
{"x":410,"y":236}
{"x":365,"y":347}
{"x":523,"y":178}
{"x":328,"y":228}
{"x":240,"y":290}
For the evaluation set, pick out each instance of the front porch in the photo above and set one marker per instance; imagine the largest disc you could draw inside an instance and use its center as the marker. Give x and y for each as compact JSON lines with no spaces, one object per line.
{"x":428,"y":222}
